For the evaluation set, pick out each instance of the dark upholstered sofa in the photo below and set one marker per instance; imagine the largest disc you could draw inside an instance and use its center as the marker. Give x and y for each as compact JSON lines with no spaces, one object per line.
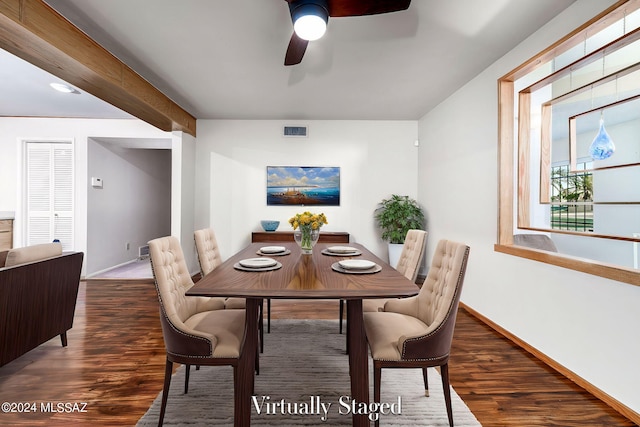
{"x":38,"y":293}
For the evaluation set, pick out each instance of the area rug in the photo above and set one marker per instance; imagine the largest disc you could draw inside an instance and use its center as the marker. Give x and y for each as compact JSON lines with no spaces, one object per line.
{"x":303,"y":370}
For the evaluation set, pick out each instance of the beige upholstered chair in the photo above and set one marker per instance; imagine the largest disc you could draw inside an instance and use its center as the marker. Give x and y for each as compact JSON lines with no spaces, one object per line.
{"x":209,"y":258}
{"x":408,"y":265}
{"x":196,"y":330}
{"x":412,"y":253}
{"x":208,"y":250}
{"x":416,"y":332}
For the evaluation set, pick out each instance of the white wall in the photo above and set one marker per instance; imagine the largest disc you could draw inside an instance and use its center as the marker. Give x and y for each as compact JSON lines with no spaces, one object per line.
{"x":376,"y":159}
{"x":14,"y":130}
{"x":133,"y":205}
{"x":183,"y":196}
{"x":586,"y":323}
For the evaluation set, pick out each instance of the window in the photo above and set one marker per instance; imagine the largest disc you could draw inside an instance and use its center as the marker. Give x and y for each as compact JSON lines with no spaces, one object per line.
{"x":549,"y":112}
{"x":571,"y":205}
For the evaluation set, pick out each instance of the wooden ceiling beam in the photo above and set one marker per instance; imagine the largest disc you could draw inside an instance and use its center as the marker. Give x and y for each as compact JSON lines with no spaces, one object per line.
{"x":33,"y":31}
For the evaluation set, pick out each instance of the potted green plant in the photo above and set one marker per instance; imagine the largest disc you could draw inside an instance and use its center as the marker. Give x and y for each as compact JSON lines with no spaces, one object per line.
{"x":395,"y":217}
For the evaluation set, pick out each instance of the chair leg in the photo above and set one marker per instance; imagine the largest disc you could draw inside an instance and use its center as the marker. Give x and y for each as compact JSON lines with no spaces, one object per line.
{"x":260,"y":346}
{"x":444,"y":371}
{"x":347,"y":310}
{"x":165,"y":390}
{"x":268,"y":315}
{"x":261,"y":326}
{"x":257,"y":362}
{"x":187,"y":370}
{"x":377,"y":377}
{"x":341,"y":313}
{"x":426,"y":381}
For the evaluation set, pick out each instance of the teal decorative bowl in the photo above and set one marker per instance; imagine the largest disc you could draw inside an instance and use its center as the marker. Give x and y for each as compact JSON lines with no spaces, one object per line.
{"x":269,"y":224}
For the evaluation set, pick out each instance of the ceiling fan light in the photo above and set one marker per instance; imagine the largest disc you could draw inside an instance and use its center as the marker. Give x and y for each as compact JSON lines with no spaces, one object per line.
{"x":309,"y":19}
{"x":310,"y":27}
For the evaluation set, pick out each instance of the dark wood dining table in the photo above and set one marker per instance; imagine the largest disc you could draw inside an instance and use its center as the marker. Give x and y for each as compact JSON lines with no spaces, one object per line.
{"x":303,"y":276}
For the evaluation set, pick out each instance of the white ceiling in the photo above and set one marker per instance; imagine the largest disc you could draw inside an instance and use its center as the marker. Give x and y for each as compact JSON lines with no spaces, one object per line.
{"x":26,"y":93}
{"x":224,"y":59}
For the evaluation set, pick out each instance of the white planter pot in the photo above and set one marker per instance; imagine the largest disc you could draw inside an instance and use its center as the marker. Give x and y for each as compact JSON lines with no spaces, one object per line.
{"x":395,"y":249}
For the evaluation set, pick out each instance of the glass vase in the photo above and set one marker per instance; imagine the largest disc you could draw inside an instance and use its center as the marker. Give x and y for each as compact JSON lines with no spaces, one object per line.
{"x":306,"y":237}
{"x":602,"y":146}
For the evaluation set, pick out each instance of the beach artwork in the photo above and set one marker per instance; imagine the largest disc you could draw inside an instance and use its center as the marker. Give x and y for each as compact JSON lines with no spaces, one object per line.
{"x":303,"y":185}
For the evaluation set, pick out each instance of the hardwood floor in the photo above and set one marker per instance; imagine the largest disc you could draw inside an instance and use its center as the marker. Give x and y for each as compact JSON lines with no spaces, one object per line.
{"x":115,"y":364}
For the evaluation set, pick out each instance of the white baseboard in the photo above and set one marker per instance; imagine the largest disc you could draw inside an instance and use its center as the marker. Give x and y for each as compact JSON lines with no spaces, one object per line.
{"x":96,"y":273}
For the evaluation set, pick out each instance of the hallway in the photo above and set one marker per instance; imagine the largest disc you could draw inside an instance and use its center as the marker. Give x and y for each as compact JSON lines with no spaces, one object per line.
{"x":135,"y":270}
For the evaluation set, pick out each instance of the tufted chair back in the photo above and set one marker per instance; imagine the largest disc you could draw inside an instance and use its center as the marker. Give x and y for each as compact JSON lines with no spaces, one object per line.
{"x":412,"y":253}
{"x":208,"y":250}
{"x":172,"y":281}
{"x":172,"y":278}
{"x":439,"y":296}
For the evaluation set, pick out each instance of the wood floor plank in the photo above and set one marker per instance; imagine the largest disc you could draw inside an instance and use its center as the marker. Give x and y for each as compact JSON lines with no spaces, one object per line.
{"x":115,"y":363}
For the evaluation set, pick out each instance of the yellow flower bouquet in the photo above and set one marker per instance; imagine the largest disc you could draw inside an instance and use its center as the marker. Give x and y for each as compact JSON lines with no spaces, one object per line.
{"x":308,"y":229}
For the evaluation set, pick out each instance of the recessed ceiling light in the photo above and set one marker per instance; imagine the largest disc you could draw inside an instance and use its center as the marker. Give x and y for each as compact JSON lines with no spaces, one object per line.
{"x":64,"y":88}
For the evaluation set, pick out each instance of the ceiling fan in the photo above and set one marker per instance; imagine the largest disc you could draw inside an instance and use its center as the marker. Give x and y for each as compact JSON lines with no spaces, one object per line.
{"x":310,"y":18}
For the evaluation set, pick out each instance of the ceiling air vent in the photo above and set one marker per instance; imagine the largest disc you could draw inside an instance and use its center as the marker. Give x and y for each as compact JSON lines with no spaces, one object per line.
{"x":299,"y":131}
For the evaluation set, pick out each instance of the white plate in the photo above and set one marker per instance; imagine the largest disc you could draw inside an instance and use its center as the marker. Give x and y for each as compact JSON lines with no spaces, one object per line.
{"x":258,"y":262}
{"x":326,"y":251}
{"x":356,"y":264}
{"x":341,"y":249}
{"x":272,"y":249}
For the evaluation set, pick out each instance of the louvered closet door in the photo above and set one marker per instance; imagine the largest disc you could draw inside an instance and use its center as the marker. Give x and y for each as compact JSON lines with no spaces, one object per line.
{"x":50,"y":193}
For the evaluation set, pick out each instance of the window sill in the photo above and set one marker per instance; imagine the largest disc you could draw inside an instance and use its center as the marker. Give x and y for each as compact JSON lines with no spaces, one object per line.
{"x":609,"y":271}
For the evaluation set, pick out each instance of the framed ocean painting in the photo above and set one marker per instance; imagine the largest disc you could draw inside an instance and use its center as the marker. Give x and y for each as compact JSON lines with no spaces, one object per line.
{"x":303,"y":185}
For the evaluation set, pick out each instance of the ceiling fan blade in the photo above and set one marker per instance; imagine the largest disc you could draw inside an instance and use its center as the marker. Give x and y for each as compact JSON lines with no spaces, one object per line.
{"x":295,"y":51}
{"x":341,"y":8}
